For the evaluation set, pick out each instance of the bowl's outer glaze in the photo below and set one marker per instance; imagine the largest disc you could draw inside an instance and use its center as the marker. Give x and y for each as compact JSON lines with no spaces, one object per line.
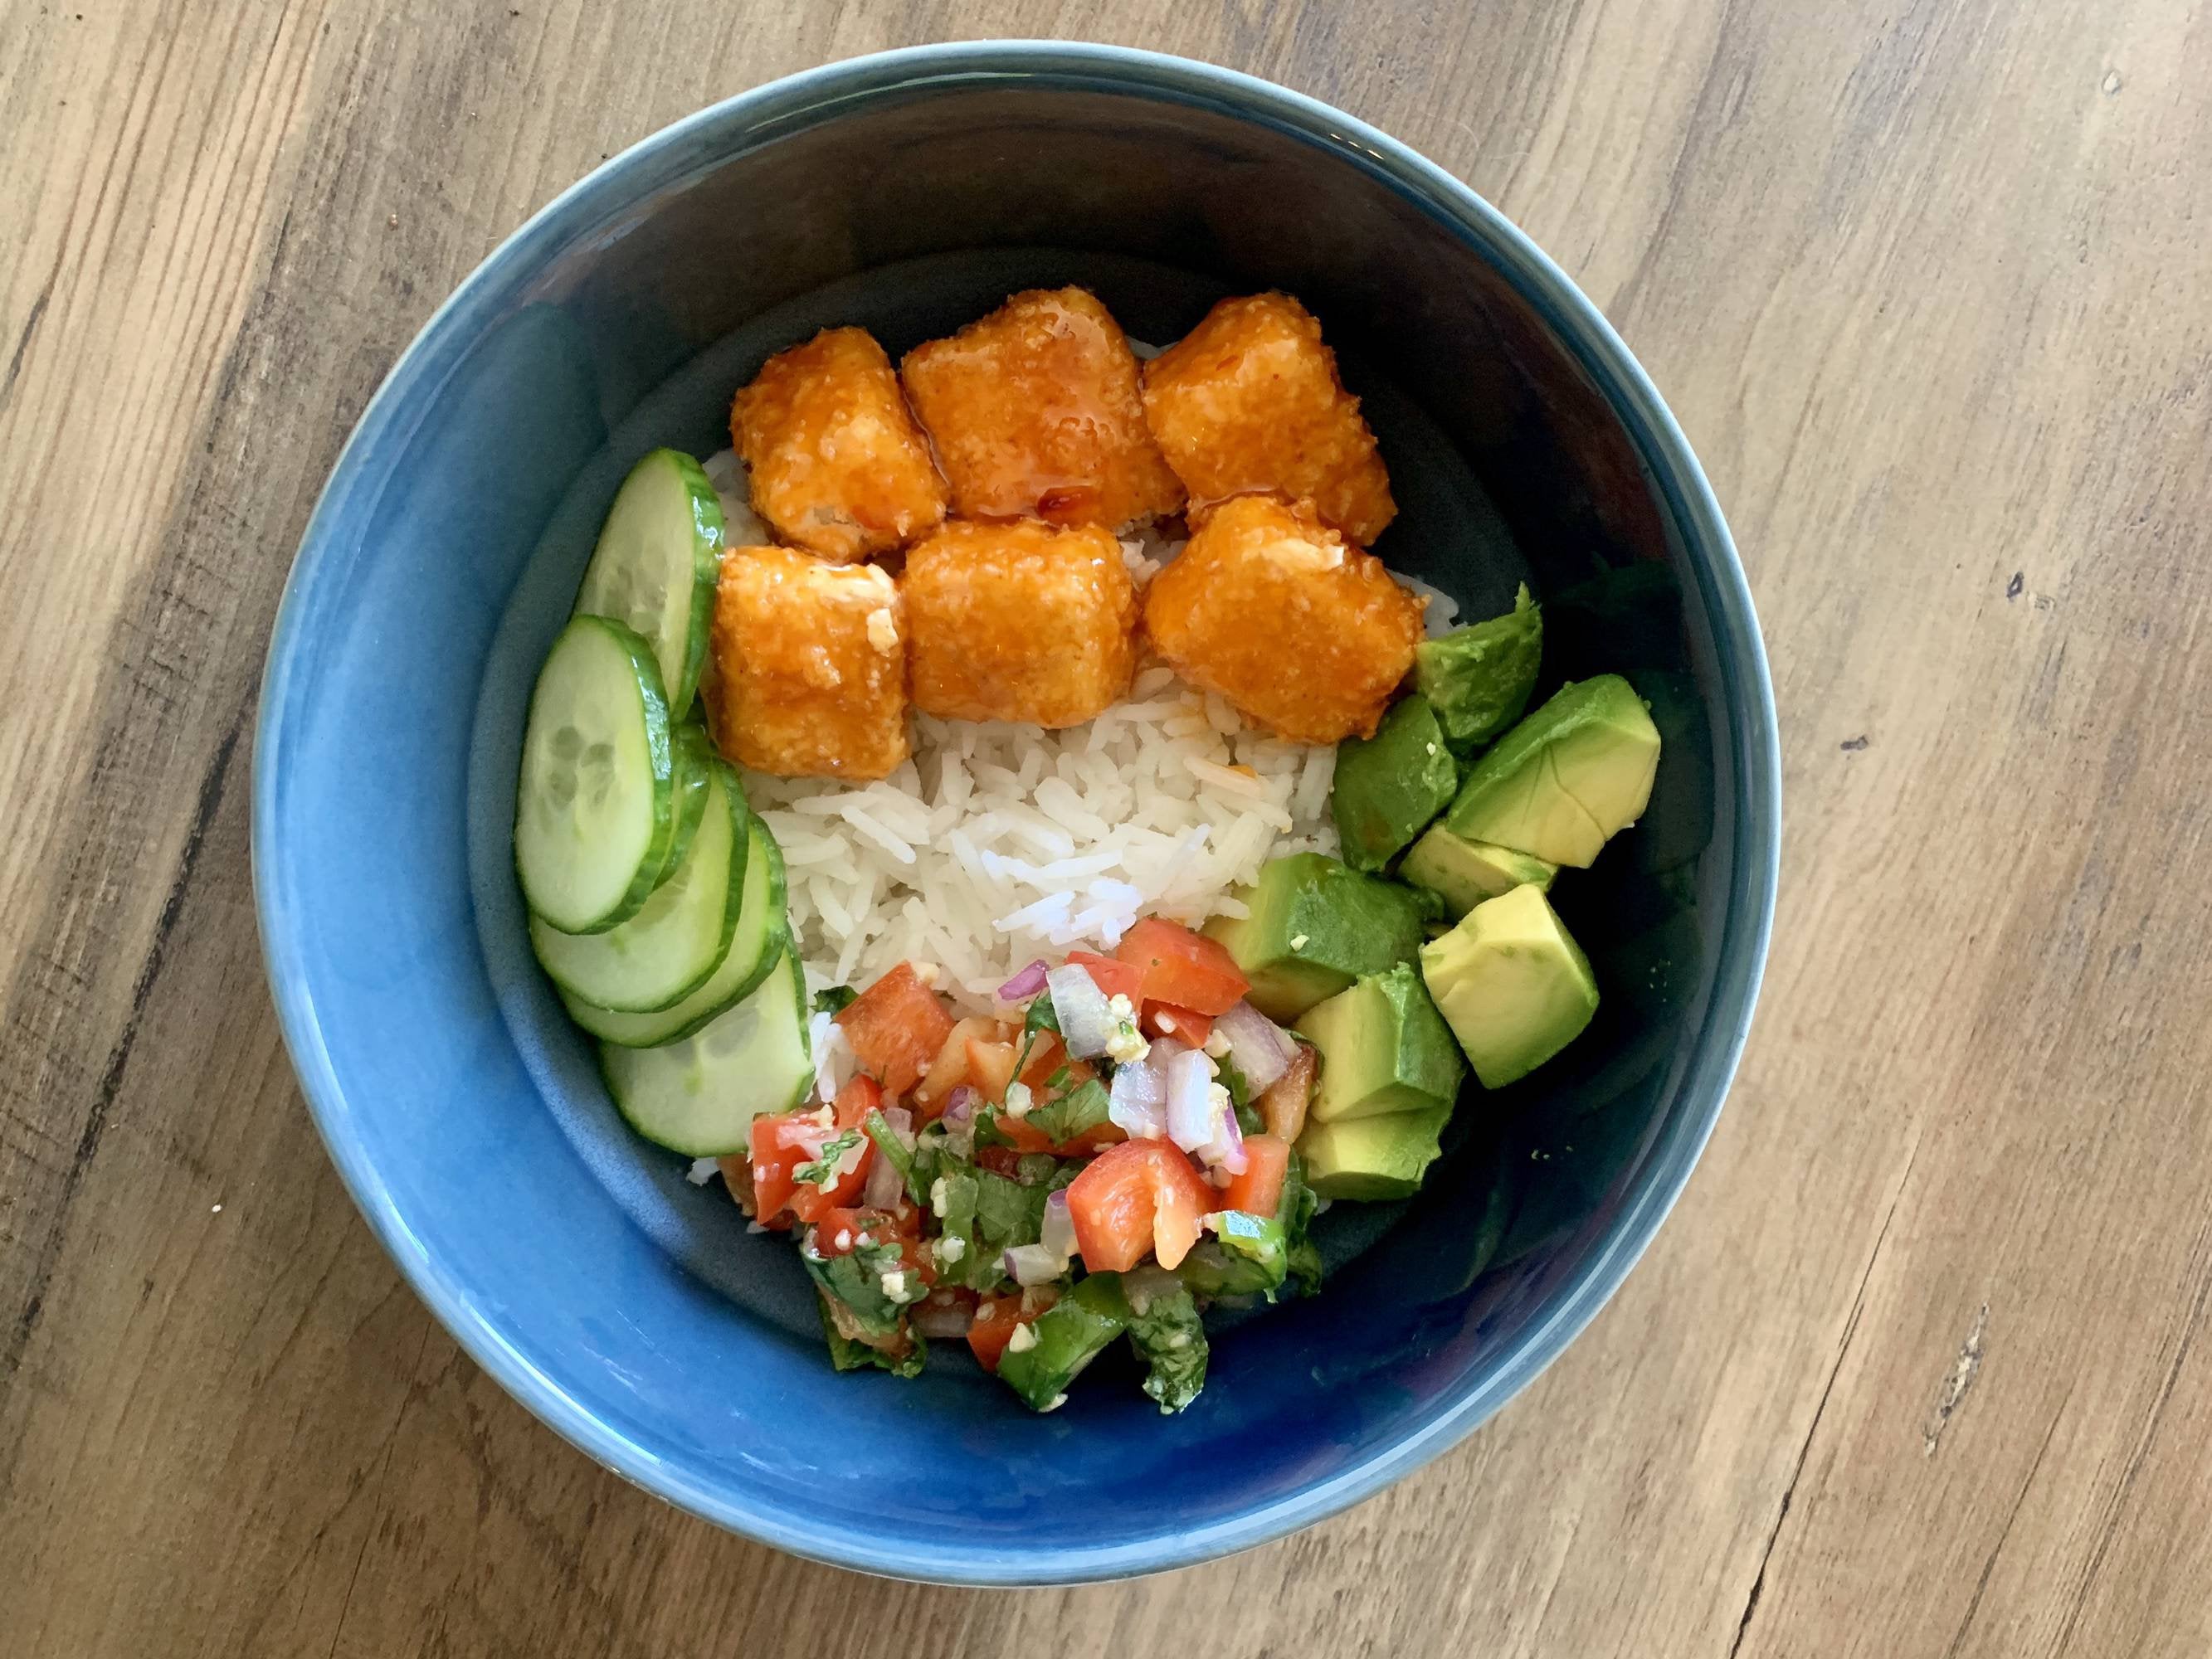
{"x":909,"y":191}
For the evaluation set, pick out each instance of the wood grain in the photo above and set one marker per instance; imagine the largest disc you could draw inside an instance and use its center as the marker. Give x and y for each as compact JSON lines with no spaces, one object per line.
{"x":1913,"y":1369}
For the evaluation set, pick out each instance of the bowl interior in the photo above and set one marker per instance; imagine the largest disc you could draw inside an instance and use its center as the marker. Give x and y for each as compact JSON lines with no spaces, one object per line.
{"x":630,"y":1308}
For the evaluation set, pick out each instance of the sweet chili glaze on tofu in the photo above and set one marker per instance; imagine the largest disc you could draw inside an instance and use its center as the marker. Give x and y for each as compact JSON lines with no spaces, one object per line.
{"x":809,"y":665}
{"x":1283,"y":617}
{"x":838,"y":465}
{"x":1018,"y":622}
{"x":1035,"y":412}
{"x":1249,"y":400}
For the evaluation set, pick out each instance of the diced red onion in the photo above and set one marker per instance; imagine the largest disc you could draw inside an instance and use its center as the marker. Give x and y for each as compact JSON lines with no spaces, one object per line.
{"x":1224,"y":1149}
{"x":1033,"y":1264}
{"x":900,"y":1119}
{"x":1136,"y":1103}
{"x":1259,"y":1046}
{"x":941,"y":1323}
{"x":1189,"y":1105}
{"x":884,"y":1186}
{"x":960,"y":1104}
{"x":1025,"y":985}
{"x":1059,"y":1236}
{"x":1086,"y":1023}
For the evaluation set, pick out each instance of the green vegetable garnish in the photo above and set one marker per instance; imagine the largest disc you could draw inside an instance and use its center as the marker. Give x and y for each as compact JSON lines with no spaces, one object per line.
{"x":822,"y":1172}
{"x":1042,"y":1017}
{"x":910,"y":1164}
{"x":1063,"y":1340}
{"x":857,"y":1280}
{"x":1084,"y":1107}
{"x":834,"y":999}
{"x":1170,"y":1338}
{"x":904,"y":1358}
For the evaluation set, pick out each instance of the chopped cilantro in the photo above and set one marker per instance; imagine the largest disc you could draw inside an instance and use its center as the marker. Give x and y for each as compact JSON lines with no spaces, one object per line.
{"x":834,"y":999}
{"x":1169,"y":1339}
{"x":903,"y":1355}
{"x":1042,"y":1017}
{"x":1084,"y":1107}
{"x":822,"y":1172}
{"x":911,"y":1163}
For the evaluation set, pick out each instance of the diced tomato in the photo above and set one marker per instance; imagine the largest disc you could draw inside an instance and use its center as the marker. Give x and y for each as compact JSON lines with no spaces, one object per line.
{"x":896,"y":1027}
{"x":781,"y":1145}
{"x":1045,"y":1060}
{"x":1183,"y":1024}
{"x":738,"y":1175}
{"x":950,"y":1069}
{"x":1283,"y":1106}
{"x":1142,"y":1197}
{"x":990,"y":1067}
{"x":1183,"y":968}
{"x":995,"y":1317}
{"x":1259,"y":1188}
{"x":1113,"y":977}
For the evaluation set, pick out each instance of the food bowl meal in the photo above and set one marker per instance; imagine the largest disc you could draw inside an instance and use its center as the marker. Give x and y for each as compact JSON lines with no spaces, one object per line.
{"x":1015,"y":812}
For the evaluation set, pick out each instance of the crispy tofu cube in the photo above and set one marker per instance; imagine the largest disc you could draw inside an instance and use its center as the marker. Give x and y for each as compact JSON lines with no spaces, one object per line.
{"x":1035,"y":412}
{"x":809,"y":665}
{"x":1019,"y":621}
{"x":1279,"y":614}
{"x":1250,"y":401}
{"x":838,"y":465}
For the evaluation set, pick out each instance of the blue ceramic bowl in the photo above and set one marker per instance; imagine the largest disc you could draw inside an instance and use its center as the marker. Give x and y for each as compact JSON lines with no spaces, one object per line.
{"x":910,"y":192}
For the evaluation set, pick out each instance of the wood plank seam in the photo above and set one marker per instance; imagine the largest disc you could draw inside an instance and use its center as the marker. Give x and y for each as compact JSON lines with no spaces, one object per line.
{"x":1828,"y":1389}
{"x":118,"y":1059}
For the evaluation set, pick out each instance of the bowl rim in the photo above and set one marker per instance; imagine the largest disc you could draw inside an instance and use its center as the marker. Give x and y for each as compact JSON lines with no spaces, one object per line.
{"x":811,"y":98}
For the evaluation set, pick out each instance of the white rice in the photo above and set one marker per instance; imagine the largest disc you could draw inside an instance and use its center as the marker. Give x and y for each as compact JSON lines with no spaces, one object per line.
{"x":997,"y":844}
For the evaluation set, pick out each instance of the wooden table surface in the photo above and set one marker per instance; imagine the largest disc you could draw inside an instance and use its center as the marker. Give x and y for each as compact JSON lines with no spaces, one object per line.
{"x":1912,"y":1370}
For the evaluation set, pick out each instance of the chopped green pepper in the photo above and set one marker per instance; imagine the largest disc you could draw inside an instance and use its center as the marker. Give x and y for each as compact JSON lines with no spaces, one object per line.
{"x":1046,"y":1354}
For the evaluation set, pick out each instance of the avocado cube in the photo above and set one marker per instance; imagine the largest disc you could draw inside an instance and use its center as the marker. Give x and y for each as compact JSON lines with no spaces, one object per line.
{"x":1464,"y":872}
{"x":1389,"y":786}
{"x":1313,"y":925}
{"x":1373,"y":1158}
{"x":1512,"y":983}
{"x":1565,"y":779}
{"x":1478,"y":678}
{"x":1384,"y":1049}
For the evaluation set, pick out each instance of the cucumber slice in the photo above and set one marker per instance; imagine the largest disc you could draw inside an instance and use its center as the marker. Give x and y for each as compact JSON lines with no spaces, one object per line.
{"x":699,"y":1097}
{"x":696,"y":756}
{"x":594,"y":810}
{"x":673,"y":944}
{"x":659,"y":554}
{"x":763,"y":934}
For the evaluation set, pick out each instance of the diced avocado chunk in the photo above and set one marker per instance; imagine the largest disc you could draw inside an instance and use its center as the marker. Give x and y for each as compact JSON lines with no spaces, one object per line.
{"x":1389,"y":786}
{"x":1565,"y":779}
{"x":1512,"y":983}
{"x":1384,"y":1048}
{"x":1373,"y":1158}
{"x":1065,"y":1338}
{"x":1464,"y":872}
{"x":1478,"y":677}
{"x":1313,"y":926}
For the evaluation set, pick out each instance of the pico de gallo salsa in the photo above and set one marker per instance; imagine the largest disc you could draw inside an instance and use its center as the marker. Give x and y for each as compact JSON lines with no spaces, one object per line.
{"x":1106,"y":1155}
